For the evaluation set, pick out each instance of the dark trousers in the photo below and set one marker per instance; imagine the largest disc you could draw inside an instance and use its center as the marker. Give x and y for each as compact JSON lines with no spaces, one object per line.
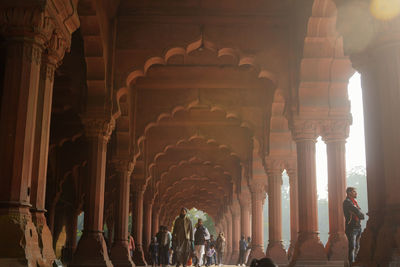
{"x":353,"y":236}
{"x":214,"y":257}
{"x":242,"y":253}
{"x":164,"y":255}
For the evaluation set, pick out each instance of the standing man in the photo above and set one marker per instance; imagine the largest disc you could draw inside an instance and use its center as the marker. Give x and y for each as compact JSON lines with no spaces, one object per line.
{"x":201,"y":235}
{"x":242,"y":251}
{"x":165,"y":246}
{"x":182,"y":238}
{"x":353,"y":215}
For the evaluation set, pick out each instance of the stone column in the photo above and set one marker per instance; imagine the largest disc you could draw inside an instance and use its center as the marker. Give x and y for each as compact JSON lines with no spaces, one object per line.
{"x":92,"y":248}
{"x":235,"y":210}
{"x":275,"y":249}
{"x":50,"y":59}
{"x":228,"y":253}
{"x":257,"y":235}
{"x":155,"y":220}
{"x":25,"y":34}
{"x":245,"y":201}
{"x":147,"y":214}
{"x":71,"y":228}
{"x":294,"y":210}
{"x":137,"y":225}
{"x":379,"y":67}
{"x":120,"y":254}
{"x":335,"y":136}
{"x":309,"y":250}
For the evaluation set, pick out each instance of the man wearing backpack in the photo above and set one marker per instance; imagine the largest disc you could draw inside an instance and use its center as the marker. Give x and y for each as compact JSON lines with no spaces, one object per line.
{"x":201,"y":235}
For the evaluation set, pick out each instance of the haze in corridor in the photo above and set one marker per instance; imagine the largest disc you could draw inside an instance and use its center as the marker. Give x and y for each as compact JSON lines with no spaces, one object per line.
{"x":355,"y":146}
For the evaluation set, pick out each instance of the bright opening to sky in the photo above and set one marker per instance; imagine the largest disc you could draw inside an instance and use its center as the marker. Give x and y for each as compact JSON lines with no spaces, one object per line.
{"x":355,"y":146}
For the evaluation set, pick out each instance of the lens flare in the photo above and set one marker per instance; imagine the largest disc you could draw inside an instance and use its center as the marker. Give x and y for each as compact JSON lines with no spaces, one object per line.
{"x":385,"y":9}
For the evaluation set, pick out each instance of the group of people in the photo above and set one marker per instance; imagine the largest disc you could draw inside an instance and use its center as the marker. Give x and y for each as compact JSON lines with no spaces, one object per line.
{"x":186,"y":243}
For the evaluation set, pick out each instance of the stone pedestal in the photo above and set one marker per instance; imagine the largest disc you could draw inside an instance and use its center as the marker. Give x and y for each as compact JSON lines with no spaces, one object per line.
{"x":71,"y":228}
{"x":92,"y":250}
{"x":275,"y":249}
{"x":120,"y":255}
{"x":309,"y":251}
{"x":257,"y":199}
{"x":337,"y":246}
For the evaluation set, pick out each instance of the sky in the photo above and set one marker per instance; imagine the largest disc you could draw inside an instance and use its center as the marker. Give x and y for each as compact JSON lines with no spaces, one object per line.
{"x":355,"y":146}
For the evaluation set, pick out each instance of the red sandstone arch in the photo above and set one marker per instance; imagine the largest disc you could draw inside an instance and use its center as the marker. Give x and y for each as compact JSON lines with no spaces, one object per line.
{"x":189,"y":148}
{"x":175,"y":51}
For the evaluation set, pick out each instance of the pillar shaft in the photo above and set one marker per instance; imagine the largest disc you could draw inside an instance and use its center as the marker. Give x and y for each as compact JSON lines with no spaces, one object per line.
{"x":229,"y":239}
{"x":257,"y":199}
{"x":379,"y":67}
{"x":92,"y":248}
{"x":18,"y":238}
{"x":294,"y":211}
{"x":155,"y":221}
{"x":337,"y":243}
{"x":275,"y":248}
{"x":138,"y":227}
{"x":120,"y":254}
{"x":235,"y":233}
{"x":309,"y":249}
{"x":245,"y":201}
{"x":147,"y":214}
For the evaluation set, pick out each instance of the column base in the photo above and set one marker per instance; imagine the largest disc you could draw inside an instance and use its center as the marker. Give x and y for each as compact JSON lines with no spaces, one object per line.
{"x":277,"y":253}
{"x":91,"y":251}
{"x":257,"y":252}
{"x":337,"y":247}
{"x":290,"y":250}
{"x":120,"y":256}
{"x":309,"y":251}
{"x":45,"y":238}
{"x":234,"y":257}
{"x":18,"y":237}
{"x":138,"y":256}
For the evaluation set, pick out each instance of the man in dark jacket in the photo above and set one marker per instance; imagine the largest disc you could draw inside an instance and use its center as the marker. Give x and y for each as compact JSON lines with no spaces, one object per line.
{"x":201,"y":235}
{"x":242,"y":251}
{"x":353,"y":215}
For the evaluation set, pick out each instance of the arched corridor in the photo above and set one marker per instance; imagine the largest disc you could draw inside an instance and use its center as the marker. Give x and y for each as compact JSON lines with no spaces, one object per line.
{"x":130,"y":110}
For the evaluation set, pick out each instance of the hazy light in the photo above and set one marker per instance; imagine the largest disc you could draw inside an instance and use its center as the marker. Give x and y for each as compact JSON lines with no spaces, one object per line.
{"x":385,"y":9}
{"x":355,"y":146}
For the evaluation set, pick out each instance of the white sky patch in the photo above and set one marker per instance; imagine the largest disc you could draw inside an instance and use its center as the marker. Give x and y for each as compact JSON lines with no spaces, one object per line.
{"x":355,"y":146}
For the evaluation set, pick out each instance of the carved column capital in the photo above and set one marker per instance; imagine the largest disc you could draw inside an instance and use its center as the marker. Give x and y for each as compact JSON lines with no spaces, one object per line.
{"x":98,"y":127}
{"x":56,"y":47}
{"x":305,"y":129}
{"x":257,"y":190}
{"x":335,"y":130}
{"x":274,"y":166}
{"x":123,"y":165}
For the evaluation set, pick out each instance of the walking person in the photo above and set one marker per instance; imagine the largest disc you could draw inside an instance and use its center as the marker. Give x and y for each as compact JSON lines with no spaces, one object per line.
{"x":248,"y":250}
{"x":165,"y":245}
{"x":182,"y":238}
{"x":242,"y":251}
{"x":201,"y":235}
{"x":153,"y":251}
{"x":220,"y":245}
{"x":353,"y":215}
